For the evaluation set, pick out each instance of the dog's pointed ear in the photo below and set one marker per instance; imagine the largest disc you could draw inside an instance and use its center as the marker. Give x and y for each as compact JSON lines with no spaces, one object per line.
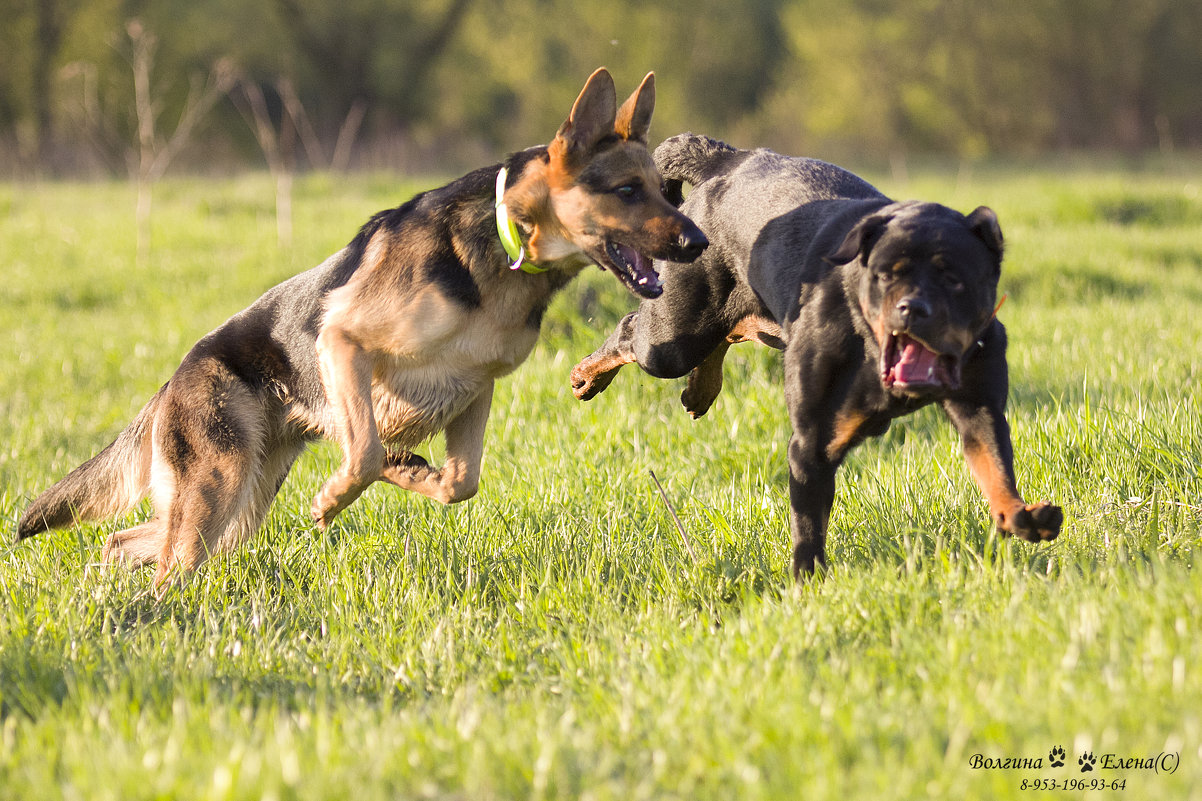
{"x":983,"y":222}
{"x":593,"y":114}
{"x":859,"y":240}
{"x":634,"y":117}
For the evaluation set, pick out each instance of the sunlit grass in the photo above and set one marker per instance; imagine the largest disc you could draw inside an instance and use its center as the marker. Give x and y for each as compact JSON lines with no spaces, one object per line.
{"x":554,"y":637}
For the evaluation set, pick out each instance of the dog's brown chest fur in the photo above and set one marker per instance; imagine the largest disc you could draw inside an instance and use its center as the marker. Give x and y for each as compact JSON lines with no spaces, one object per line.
{"x":441,"y":354}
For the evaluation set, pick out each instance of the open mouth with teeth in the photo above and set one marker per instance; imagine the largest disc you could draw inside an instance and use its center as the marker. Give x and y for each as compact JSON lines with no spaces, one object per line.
{"x":909,"y":365}
{"x":633,"y":268}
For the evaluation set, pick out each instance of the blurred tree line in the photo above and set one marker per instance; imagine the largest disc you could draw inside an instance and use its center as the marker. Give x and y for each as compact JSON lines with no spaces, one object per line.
{"x":443,"y":84}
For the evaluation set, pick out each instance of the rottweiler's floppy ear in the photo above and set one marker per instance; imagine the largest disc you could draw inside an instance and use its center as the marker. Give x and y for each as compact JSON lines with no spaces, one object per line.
{"x":859,"y":239}
{"x":593,"y":114}
{"x":634,"y":117}
{"x":983,"y":222}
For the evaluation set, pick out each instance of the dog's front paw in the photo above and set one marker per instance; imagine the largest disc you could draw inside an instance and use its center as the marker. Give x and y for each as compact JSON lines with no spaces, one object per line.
{"x":701,"y":391}
{"x":587,"y":383}
{"x":322,"y":513}
{"x":1034,"y":522}
{"x":696,"y":403}
{"x":326,"y":506}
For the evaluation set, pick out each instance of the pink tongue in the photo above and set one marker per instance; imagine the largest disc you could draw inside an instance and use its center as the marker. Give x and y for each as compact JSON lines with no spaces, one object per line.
{"x":640,"y":265}
{"x":633,"y":258}
{"x":917,"y":364}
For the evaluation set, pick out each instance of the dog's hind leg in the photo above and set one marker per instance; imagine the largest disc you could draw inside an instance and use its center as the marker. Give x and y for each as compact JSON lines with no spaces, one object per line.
{"x":136,"y":546}
{"x":263,"y":484}
{"x":209,"y":454}
{"x":213,"y":509}
{"x":179,"y":523}
{"x":705,"y":380}
{"x":202,"y":510}
{"x":222,"y":510}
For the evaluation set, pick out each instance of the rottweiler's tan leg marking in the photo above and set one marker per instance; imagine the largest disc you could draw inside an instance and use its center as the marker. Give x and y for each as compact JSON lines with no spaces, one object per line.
{"x":986,"y":448}
{"x":1014,"y":516}
{"x":596,"y":372}
{"x":846,"y":433}
{"x":459,"y":477}
{"x":759,"y":329}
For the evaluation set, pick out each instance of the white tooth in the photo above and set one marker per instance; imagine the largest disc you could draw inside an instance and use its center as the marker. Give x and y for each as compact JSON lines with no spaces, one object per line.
{"x":643,"y":280}
{"x":930,"y":372}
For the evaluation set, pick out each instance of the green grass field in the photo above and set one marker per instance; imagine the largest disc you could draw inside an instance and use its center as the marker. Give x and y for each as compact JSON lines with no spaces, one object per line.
{"x":553,"y":637}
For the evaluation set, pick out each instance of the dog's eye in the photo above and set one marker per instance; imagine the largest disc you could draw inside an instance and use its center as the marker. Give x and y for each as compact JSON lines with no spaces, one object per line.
{"x":627,"y":191}
{"x":888,"y":276}
{"x":953,"y":283}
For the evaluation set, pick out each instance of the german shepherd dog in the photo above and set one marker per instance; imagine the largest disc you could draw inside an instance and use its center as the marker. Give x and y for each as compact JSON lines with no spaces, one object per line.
{"x":396,"y":337}
{"x":881,"y":308}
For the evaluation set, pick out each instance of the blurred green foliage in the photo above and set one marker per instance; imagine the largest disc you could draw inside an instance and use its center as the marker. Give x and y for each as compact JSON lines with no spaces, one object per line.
{"x":445,"y":83}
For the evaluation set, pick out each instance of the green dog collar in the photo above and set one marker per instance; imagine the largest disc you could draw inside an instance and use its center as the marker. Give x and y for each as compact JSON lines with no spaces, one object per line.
{"x":511,"y":240}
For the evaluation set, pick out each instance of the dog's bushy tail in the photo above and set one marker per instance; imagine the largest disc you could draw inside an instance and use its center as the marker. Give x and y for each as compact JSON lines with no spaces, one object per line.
{"x":690,"y":158}
{"x":109,"y":484}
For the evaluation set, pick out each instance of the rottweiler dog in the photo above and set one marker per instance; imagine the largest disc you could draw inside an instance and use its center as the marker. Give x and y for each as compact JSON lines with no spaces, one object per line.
{"x":881,"y":308}
{"x":398,"y":336}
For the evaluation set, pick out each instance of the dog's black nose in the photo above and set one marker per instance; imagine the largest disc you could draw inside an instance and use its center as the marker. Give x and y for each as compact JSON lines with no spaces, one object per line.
{"x":692,"y":243}
{"x":913,"y":308}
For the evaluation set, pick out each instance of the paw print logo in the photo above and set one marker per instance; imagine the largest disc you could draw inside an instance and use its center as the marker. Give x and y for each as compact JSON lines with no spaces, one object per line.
{"x":1057,"y":757}
{"x":1087,"y":761}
